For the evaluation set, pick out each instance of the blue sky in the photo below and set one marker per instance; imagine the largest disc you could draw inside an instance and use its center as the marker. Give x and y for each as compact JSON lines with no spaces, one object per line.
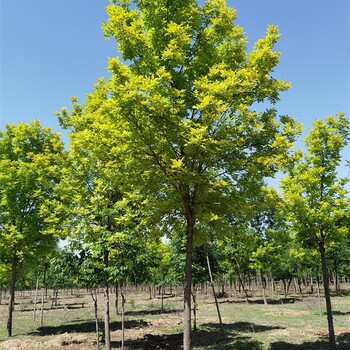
{"x":51,"y":50}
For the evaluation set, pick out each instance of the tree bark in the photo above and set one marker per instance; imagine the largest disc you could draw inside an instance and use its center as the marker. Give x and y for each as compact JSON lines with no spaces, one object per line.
{"x":35,"y":297}
{"x":106,"y":297}
{"x":123,"y":317}
{"x":216,"y":301}
{"x":263,"y":286}
{"x":94,"y":298}
{"x":194,"y":311}
{"x":12,"y":294}
{"x":188,"y":279}
{"x":162,"y":297}
{"x":240,"y":280}
{"x":318,"y":295}
{"x":42,"y":309}
{"x":331,"y":336}
{"x":117,"y":299}
{"x":45,"y":282}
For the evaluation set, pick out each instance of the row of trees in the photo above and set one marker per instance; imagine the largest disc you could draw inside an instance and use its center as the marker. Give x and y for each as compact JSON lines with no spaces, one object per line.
{"x":172,"y":144}
{"x":240,"y":266}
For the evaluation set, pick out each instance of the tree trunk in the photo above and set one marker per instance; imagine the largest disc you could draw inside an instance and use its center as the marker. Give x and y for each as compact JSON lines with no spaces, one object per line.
{"x":336,"y":279}
{"x":42,"y":309}
{"x":56,"y":297}
{"x":12,"y":294}
{"x":188,"y":279}
{"x":35,"y":297}
{"x":123,"y":317}
{"x":216,"y":301}
{"x":45,"y":282}
{"x":240,"y":280}
{"x":194,"y":311}
{"x":223,"y":283}
{"x":318,"y":295}
{"x":162,"y":298}
{"x":272,"y":288}
{"x":332,"y":344}
{"x":117,"y":300}
{"x":263,"y":285}
{"x":288,"y":286}
{"x":106,"y":297}
{"x":94,"y":298}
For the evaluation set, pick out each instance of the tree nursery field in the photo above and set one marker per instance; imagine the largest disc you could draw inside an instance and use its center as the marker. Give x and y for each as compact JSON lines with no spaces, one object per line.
{"x":295,"y":323}
{"x":164,"y":178}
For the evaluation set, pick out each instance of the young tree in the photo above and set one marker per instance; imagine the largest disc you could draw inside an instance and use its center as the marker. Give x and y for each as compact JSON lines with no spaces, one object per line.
{"x":315,"y":199}
{"x":30,"y":163}
{"x":180,"y":101}
{"x":95,"y":208}
{"x":91,"y":276}
{"x":63,"y":270}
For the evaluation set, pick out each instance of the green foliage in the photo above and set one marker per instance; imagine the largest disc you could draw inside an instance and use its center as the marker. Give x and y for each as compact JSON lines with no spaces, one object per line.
{"x":30,"y":161}
{"x":90,"y":271}
{"x":133,"y":260}
{"x":63,"y":269}
{"x":315,"y":198}
{"x":176,"y":120}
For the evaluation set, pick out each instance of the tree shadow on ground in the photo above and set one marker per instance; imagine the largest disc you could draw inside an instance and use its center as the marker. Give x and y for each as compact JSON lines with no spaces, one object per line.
{"x":153,"y":312}
{"x":71,"y":306}
{"x":343,"y":343}
{"x":202,"y":338}
{"x":339,"y":313}
{"x":209,"y":334}
{"x":261,"y":301}
{"x":317,"y":345}
{"x":241,"y":327}
{"x":84,"y":327}
{"x":343,"y":340}
{"x":151,"y":341}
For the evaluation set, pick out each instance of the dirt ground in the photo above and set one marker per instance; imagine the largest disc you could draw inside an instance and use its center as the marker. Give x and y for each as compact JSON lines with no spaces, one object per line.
{"x":295,"y":324}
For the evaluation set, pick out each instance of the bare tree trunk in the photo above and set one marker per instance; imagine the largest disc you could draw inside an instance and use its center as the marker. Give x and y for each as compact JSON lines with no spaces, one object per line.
{"x":106,"y":297}
{"x":162,"y":298}
{"x":194,"y":311}
{"x":188,"y":279}
{"x":336,"y":280}
{"x":45,"y":282}
{"x":332,"y":343}
{"x":240,"y":280}
{"x":216,"y":301}
{"x":288,"y":286}
{"x":12,"y":294}
{"x":35,"y":297}
{"x":94,"y":298}
{"x":311,"y":283}
{"x":117,"y":299}
{"x":56,"y":296}
{"x":42,"y":309}
{"x":123,"y":318}
{"x":263,"y":285}
{"x":318,"y":295}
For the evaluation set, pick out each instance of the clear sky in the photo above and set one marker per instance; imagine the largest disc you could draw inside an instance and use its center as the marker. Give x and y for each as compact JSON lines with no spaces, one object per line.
{"x":51,"y":50}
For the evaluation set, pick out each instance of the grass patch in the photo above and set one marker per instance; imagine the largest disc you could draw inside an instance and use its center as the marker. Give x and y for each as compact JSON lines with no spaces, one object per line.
{"x":295,"y":324}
